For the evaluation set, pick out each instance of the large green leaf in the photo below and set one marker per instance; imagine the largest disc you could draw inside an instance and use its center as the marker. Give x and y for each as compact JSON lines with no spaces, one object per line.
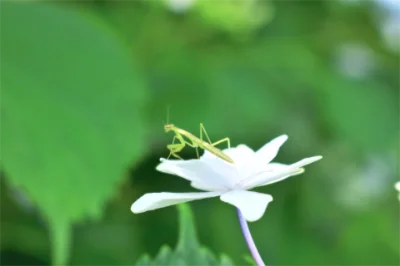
{"x":70,"y":111}
{"x":188,"y":250}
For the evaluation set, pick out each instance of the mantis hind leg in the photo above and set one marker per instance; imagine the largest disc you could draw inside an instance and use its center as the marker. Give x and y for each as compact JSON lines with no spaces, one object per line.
{"x":202,"y":129}
{"x":223,"y":140}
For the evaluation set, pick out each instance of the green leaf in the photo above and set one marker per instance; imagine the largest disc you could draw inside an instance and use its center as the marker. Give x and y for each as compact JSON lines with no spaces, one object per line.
{"x":249,"y":259}
{"x":70,"y":111}
{"x":188,"y":250}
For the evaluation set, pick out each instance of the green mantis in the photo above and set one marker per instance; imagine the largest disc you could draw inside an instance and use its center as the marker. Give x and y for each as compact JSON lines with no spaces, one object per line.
{"x":194,"y":142}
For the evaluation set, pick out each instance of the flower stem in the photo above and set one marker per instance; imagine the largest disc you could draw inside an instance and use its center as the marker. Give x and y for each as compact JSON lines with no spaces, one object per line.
{"x":249,"y":240}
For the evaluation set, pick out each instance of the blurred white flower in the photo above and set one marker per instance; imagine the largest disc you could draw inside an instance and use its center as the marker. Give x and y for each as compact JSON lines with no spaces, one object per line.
{"x":391,"y":32}
{"x":392,"y":5}
{"x":355,"y":60}
{"x":179,"y":6}
{"x":397,"y":186}
{"x":388,"y":20}
{"x":230,"y":182}
{"x":365,"y":184}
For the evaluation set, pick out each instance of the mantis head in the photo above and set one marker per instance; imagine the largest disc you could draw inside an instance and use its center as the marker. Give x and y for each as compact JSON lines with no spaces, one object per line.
{"x":168,"y":127}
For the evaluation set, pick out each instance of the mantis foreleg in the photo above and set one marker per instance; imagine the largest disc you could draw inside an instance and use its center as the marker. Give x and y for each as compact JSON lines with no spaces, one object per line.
{"x":174,"y":148}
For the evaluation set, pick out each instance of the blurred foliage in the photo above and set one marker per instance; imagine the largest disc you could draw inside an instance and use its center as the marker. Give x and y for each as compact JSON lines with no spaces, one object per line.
{"x":85,"y":87}
{"x":66,"y":134}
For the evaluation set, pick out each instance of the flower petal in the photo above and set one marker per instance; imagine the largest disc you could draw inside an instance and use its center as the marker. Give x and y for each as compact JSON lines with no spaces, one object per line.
{"x":202,"y":172}
{"x":251,"y":204}
{"x":277,"y":173}
{"x":276,"y":166}
{"x":227,"y":170}
{"x":240,"y":154}
{"x":268,"y":152}
{"x":306,"y":161}
{"x":152,"y":201}
{"x":267,"y":177}
{"x":201,"y":186}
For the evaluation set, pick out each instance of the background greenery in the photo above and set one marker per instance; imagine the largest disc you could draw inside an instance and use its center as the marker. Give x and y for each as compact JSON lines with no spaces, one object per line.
{"x":85,"y":87}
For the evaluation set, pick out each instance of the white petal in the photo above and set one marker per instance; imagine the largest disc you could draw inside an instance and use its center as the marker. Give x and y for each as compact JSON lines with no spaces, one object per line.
{"x":227,"y":171}
{"x":306,"y":161}
{"x":251,"y":204}
{"x":199,"y":171}
{"x":276,"y":166}
{"x":268,"y":152}
{"x":240,"y":154}
{"x":278,"y":173}
{"x":204,"y":187}
{"x":152,"y":201}
{"x":268,"y":177}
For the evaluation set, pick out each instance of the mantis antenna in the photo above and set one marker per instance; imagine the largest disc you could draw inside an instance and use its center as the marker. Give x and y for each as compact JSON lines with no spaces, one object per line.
{"x":168,"y":111}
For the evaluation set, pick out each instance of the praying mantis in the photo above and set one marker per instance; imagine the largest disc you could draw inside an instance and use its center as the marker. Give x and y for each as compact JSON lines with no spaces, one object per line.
{"x":194,"y":142}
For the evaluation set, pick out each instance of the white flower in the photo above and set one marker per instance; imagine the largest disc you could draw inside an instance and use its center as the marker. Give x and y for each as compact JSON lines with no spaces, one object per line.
{"x":230,"y":182}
